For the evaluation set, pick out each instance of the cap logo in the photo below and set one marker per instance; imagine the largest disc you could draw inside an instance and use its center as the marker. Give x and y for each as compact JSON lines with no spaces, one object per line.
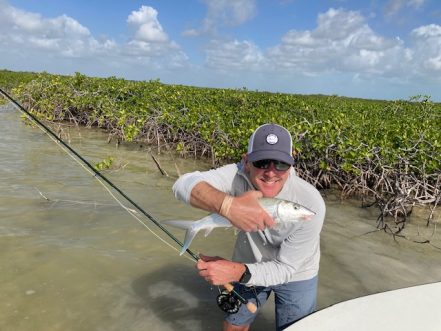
{"x":272,"y":139}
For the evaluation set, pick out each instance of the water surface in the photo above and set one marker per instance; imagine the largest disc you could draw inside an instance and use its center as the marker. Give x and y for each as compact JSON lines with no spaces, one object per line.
{"x":72,"y":259}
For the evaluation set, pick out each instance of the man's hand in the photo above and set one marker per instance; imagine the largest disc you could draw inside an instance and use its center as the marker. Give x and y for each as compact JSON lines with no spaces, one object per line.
{"x":244,"y":212}
{"x":218,"y":271}
{"x":247,"y":214}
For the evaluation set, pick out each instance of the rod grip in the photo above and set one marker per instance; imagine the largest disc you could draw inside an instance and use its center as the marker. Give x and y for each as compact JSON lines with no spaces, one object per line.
{"x":251,"y":306}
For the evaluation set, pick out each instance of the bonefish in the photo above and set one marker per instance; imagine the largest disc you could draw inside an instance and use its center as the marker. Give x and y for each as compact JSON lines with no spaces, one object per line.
{"x":282,"y":211}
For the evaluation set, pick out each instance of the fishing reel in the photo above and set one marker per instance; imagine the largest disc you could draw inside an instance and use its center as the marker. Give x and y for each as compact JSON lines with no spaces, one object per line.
{"x":228,"y":302}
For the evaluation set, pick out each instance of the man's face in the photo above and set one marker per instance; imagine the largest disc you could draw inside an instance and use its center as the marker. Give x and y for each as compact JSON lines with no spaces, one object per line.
{"x":269,"y":181}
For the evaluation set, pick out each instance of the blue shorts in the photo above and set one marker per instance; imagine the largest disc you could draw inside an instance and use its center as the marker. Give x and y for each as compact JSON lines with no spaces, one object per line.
{"x":292,"y":300}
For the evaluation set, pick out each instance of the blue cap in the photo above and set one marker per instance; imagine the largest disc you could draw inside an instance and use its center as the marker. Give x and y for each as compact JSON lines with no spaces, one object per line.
{"x":270,"y":141}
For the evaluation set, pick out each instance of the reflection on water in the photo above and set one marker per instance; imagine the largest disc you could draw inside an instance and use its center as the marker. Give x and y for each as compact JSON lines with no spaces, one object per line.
{"x":72,"y":259}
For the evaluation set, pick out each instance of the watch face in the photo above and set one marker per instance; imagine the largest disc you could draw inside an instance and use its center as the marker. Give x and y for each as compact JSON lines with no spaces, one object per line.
{"x":246,"y":276}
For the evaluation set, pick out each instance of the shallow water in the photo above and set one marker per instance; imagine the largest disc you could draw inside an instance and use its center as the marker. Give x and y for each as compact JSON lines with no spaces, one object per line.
{"x":72,"y":259}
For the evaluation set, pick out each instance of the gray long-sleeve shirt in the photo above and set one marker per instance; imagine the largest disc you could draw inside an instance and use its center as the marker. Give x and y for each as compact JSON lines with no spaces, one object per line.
{"x":274,"y":256}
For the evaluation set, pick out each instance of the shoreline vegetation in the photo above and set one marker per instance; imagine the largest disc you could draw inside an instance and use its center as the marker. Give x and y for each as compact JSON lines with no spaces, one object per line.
{"x":386,"y":153}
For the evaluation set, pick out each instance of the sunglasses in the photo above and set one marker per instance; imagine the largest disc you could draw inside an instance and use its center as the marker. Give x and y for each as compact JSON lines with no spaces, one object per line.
{"x":265,"y":164}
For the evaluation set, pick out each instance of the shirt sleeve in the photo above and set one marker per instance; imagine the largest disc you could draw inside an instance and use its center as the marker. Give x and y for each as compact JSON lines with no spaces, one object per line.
{"x":221,"y":178}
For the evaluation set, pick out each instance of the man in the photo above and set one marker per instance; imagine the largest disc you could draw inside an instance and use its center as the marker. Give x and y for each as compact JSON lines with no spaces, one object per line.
{"x":282,"y":260}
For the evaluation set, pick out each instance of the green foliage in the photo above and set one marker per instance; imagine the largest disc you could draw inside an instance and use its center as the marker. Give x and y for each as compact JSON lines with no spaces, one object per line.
{"x":10,"y":79}
{"x":105,"y":164}
{"x":330,"y":133}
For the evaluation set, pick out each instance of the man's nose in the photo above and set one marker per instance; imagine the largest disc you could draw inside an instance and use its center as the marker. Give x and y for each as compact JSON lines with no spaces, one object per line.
{"x":271,"y":168}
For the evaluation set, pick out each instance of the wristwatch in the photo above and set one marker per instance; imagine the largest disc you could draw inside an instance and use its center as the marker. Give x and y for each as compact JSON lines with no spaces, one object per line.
{"x":246,"y":276}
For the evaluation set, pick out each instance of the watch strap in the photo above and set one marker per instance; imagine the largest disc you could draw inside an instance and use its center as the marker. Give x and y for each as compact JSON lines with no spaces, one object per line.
{"x":246,"y":276}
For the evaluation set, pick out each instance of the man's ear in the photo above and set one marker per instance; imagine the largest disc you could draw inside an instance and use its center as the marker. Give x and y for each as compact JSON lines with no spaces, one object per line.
{"x":245,"y":161}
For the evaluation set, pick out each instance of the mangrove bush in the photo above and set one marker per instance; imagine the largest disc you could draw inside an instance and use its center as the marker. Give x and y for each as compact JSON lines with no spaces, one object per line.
{"x":386,"y":152}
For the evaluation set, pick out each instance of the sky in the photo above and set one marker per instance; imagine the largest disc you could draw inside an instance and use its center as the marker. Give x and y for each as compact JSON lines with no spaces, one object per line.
{"x":371,"y":49}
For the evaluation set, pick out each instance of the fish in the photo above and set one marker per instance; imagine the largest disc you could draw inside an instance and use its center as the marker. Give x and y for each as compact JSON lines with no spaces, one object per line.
{"x":282,"y":211}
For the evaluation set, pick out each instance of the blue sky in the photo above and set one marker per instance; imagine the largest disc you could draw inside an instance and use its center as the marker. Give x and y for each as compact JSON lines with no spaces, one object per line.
{"x":374,"y":49}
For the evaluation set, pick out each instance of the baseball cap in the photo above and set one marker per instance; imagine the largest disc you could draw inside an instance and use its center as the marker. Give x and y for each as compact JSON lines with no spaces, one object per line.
{"x":270,"y":141}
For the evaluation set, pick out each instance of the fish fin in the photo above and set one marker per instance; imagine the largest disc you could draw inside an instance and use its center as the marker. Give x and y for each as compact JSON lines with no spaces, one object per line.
{"x":208,"y":231}
{"x":179,"y":224}
{"x":189,"y":236}
{"x":190,"y":233}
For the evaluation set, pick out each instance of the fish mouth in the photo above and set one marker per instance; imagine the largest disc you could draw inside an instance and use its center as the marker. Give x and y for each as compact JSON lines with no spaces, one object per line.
{"x":307,"y":217}
{"x":308,"y":212}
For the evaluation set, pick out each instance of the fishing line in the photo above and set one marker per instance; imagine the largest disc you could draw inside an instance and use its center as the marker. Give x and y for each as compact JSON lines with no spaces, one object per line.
{"x":101,"y":179}
{"x":132,"y":212}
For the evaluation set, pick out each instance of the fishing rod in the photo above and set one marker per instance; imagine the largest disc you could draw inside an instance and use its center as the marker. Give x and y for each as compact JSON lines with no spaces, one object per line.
{"x":234,"y":295}
{"x":95,"y":171}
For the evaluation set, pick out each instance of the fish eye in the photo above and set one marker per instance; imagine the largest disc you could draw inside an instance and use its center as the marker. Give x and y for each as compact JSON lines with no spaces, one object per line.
{"x":296,"y":207}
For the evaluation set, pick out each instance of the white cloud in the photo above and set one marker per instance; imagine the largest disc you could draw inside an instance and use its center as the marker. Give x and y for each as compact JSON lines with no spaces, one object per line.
{"x":148,"y":28}
{"x":342,"y":46}
{"x":66,"y":26}
{"x":150,"y":45}
{"x":341,"y":42}
{"x":427,"y":32}
{"x":59,"y":36}
{"x":236,"y":55}
{"x":20,"y":20}
{"x":338,"y":24}
{"x":62,"y":38}
{"x":427,"y":48}
{"x":394,"y":6}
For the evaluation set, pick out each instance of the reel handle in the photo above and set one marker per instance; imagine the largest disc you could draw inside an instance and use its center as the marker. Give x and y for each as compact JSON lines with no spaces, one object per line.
{"x":251,"y":306}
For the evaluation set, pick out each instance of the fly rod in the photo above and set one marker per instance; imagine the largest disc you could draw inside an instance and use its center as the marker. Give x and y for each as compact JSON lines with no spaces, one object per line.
{"x":251,"y":307}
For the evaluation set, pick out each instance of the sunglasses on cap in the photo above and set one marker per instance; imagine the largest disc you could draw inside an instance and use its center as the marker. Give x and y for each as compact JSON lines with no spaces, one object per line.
{"x":265,"y":164}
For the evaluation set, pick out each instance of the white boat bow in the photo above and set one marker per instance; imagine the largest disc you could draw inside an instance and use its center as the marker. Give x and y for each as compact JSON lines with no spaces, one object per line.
{"x":408,"y":309}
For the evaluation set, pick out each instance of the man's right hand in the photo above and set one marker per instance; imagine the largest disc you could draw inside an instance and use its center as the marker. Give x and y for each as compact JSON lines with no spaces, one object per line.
{"x":245,"y":211}
{"x":247,"y":214}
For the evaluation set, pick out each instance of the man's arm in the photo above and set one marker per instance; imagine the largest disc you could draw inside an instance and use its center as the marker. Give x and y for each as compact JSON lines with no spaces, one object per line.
{"x":244,"y":211}
{"x":206,"y":197}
